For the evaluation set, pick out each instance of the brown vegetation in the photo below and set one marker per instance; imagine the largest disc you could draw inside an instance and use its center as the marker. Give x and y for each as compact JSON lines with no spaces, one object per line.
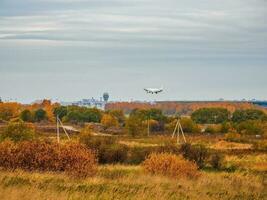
{"x":170,"y":165}
{"x":45,"y":156}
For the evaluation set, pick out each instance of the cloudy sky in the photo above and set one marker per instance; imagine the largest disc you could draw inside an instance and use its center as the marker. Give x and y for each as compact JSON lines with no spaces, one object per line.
{"x":73,"y":49}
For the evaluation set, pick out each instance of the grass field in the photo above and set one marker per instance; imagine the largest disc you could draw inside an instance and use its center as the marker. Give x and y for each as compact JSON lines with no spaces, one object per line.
{"x":131,"y":182}
{"x":244,"y":176}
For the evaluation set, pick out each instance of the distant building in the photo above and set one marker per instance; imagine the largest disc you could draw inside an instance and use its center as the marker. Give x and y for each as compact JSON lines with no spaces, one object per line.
{"x":91,"y":103}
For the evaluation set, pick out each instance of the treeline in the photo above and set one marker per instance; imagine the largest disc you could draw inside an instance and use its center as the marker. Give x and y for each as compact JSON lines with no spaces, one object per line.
{"x":138,"y":121}
{"x":182,"y":108}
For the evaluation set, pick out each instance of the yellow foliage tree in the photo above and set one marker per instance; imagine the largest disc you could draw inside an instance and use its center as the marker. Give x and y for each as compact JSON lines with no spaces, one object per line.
{"x":9,"y":110}
{"x":109,"y":121}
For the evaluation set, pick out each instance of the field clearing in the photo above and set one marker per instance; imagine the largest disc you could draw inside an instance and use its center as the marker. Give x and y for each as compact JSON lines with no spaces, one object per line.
{"x":130,"y":182}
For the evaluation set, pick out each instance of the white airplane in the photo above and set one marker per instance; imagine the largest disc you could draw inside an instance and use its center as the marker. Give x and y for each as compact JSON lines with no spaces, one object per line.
{"x":153,"y":90}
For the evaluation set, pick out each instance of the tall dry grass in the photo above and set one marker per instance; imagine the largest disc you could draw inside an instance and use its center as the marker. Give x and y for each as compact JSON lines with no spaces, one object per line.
{"x":130,"y":182}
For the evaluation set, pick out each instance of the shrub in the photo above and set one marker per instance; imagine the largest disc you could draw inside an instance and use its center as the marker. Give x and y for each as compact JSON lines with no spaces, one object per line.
{"x":73,"y":159}
{"x":225,"y":127}
{"x":216,"y":160}
{"x":137,"y":155}
{"x":198,"y":153}
{"x":170,"y":165}
{"x":168,"y":147}
{"x":106,"y":148}
{"x":18,"y":131}
{"x":112,"y":154}
{"x":210,"y":129}
{"x":250,"y":127}
{"x":77,"y":160}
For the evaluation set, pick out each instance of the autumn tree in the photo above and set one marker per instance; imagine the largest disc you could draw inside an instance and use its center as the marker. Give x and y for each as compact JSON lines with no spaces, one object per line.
{"x":109,"y":121}
{"x":119,"y":115}
{"x":9,"y":111}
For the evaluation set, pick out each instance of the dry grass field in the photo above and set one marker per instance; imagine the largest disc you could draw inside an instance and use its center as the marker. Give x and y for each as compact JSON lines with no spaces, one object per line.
{"x":131,"y":182}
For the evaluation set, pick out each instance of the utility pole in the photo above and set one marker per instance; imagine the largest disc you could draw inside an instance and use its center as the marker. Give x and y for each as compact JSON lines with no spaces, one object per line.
{"x":59,"y":123}
{"x":178,"y":128}
{"x":148,"y":125}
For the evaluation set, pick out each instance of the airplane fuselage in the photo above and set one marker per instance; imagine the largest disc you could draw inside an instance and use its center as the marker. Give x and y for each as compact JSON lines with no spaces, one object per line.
{"x":153,"y":90}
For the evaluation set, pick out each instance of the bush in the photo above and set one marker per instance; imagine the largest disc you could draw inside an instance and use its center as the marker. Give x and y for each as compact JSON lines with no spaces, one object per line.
{"x":170,"y":165}
{"x":77,"y":160}
{"x":18,"y":131}
{"x":137,"y":155}
{"x":226,"y":127}
{"x":210,"y":129}
{"x":44,"y":156}
{"x":216,"y":160}
{"x":250,"y":128}
{"x":107,"y":150}
{"x":198,"y":153}
{"x":113,"y":154}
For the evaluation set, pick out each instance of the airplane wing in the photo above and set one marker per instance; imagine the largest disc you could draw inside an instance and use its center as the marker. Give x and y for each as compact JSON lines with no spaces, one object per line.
{"x":147,"y":90}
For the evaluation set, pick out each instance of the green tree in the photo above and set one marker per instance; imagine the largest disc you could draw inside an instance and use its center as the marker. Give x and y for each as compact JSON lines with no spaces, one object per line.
{"x":40,"y":115}
{"x":92,"y":115}
{"x":250,"y":127}
{"x":134,"y":123}
{"x":61,"y":111}
{"x":18,"y":131}
{"x":211,"y":115}
{"x":249,"y":114}
{"x":26,"y":116}
{"x":189,"y":126}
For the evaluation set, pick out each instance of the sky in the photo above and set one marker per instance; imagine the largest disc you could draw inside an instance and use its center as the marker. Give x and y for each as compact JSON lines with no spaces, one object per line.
{"x":66,"y":50}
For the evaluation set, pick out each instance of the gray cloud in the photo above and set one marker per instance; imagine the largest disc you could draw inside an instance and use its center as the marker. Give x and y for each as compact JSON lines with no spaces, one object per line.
{"x":133,"y":38}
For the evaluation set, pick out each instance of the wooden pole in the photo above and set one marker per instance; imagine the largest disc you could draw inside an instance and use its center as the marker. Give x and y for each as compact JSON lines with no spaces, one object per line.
{"x":57,"y":129}
{"x":175,"y":129}
{"x":182,"y":132}
{"x":64,"y":129}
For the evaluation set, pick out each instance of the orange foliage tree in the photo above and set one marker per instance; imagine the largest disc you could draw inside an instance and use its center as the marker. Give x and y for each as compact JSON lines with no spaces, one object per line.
{"x":9,"y":110}
{"x":109,"y":121}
